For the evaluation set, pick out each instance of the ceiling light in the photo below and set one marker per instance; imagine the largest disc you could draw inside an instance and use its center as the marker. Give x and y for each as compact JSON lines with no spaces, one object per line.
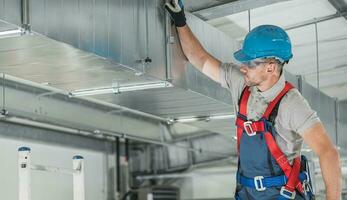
{"x":204,"y":118}
{"x":222,"y":117}
{"x":120,"y":89}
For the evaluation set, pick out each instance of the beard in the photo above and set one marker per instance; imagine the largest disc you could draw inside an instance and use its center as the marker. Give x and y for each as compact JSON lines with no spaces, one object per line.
{"x":249,"y":82}
{"x":254,"y":80}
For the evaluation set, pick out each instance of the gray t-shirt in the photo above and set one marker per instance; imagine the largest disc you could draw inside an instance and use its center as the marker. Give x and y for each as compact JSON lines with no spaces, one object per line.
{"x":294,"y":113}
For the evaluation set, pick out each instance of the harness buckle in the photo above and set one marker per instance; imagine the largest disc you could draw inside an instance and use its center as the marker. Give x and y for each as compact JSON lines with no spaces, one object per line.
{"x":248,"y":128}
{"x":307,"y":180}
{"x":259,"y":187}
{"x":306,"y":184}
{"x":287,"y":194}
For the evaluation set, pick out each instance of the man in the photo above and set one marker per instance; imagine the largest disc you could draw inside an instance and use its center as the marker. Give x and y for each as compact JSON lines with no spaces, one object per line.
{"x":273,"y":117}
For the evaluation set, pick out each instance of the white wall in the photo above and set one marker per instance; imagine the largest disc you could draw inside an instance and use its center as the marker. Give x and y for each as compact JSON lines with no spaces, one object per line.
{"x":211,"y":183}
{"x":45,"y":151}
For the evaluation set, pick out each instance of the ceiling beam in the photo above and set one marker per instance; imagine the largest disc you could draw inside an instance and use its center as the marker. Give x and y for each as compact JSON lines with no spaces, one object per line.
{"x":317,"y":20}
{"x":232,"y":8}
{"x":339,"y":5}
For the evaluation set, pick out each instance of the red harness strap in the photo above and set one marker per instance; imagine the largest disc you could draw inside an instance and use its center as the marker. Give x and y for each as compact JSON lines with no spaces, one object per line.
{"x":291,"y":172}
{"x":243,"y":111}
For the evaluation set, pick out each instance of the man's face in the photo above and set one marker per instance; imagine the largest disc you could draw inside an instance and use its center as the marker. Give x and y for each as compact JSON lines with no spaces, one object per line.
{"x":255,"y":72}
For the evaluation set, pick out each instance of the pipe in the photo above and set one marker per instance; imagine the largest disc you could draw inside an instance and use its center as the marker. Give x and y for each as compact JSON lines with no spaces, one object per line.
{"x":97,"y":134}
{"x":126,"y":150}
{"x":118,"y":165}
{"x":317,"y":53}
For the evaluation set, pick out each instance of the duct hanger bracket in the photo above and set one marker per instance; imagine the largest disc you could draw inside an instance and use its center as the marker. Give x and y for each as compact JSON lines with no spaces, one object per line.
{"x":144,"y":63}
{"x":3,"y":113}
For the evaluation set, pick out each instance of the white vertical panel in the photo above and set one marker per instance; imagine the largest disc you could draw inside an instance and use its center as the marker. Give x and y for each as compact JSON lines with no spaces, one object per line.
{"x":24,"y":174}
{"x":78,"y":178}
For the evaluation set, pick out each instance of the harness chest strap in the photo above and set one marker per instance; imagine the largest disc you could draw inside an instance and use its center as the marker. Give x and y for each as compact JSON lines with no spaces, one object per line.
{"x":259,"y":125}
{"x":291,"y":173}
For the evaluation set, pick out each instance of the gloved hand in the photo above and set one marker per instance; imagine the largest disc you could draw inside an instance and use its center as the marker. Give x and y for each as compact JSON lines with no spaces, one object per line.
{"x":176,"y":10}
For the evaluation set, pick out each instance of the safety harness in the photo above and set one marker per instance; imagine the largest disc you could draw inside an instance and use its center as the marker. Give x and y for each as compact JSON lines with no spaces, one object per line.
{"x":292,"y":178}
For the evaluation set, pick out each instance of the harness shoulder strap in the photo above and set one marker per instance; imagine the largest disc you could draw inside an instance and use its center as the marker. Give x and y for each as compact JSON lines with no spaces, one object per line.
{"x":288,"y":86}
{"x":243,"y":111}
{"x":243,"y":101}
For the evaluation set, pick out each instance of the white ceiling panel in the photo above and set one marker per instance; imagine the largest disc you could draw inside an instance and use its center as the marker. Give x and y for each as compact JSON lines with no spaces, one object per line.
{"x":291,"y":12}
{"x":332,"y":39}
{"x":281,"y":14}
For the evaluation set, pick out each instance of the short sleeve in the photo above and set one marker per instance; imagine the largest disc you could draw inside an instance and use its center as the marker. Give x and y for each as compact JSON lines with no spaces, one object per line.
{"x":301,"y":115}
{"x":231,"y":78}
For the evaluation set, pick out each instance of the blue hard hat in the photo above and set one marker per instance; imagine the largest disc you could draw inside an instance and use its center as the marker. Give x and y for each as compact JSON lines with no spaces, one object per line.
{"x":265,"y":41}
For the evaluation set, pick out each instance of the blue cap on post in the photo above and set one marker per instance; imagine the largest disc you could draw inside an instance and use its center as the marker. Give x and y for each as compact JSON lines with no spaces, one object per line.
{"x":23,"y":149}
{"x":265,"y":41}
{"x":77,"y":157}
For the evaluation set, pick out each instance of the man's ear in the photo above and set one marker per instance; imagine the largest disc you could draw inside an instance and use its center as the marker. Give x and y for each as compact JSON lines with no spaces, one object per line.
{"x":271,"y":67}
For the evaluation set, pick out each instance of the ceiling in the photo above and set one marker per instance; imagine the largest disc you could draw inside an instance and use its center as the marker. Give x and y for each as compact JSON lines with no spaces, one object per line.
{"x":332,"y":39}
{"x":71,"y":69}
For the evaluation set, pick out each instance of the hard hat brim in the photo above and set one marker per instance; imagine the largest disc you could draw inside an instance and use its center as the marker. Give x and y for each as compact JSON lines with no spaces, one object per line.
{"x":241,"y":57}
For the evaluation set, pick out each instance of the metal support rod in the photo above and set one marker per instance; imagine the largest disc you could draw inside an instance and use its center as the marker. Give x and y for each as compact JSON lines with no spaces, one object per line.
{"x":124,"y":165}
{"x":299,"y":77}
{"x":336,"y":122}
{"x":25,"y":15}
{"x":3,"y":92}
{"x":249,"y":20}
{"x":317,"y":53}
{"x":169,"y":42}
{"x":147,"y":27}
{"x":118,"y":166}
{"x":127,"y":149}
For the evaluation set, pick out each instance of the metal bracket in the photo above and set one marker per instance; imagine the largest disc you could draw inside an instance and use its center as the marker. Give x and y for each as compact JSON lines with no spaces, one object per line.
{"x":3,"y":113}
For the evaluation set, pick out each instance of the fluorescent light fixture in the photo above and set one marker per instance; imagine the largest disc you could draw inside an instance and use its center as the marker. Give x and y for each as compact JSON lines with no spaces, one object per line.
{"x":10,"y":33}
{"x":120,"y":89}
{"x":191,"y":119}
{"x":93,"y":91}
{"x":145,"y":86}
{"x":222,"y":117}
{"x":204,"y":118}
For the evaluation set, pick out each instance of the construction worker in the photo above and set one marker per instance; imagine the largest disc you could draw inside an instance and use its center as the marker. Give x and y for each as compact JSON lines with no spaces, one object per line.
{"x":273,"y":118}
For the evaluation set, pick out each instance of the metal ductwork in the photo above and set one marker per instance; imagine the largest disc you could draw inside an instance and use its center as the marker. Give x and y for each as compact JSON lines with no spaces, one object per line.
{"x":112,"y":45}
{"x":106,"y":46}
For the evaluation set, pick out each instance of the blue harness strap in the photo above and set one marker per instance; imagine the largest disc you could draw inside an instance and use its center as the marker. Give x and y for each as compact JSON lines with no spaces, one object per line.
{"x":260,"y":183}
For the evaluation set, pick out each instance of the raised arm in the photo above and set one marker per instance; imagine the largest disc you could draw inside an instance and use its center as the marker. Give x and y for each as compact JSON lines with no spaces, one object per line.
{"x":191,"y":46}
